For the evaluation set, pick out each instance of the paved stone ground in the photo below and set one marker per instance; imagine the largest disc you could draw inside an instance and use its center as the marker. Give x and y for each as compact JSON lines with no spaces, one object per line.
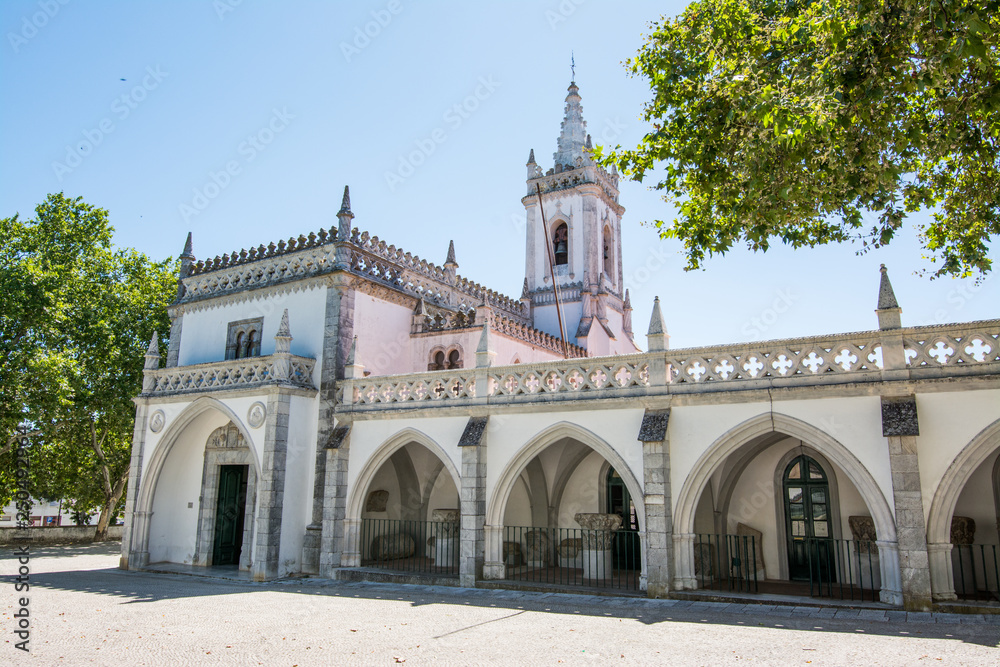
{"x":84,"y":611}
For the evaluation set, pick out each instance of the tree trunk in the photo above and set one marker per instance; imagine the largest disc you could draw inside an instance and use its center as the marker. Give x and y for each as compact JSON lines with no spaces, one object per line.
{"x":108,"y":510}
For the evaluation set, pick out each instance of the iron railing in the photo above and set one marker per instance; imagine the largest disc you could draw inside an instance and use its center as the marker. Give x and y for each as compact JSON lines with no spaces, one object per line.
{"x":726,"y":562}
{"x":976,"y":571}
{"x":430,"y":547}
{"x":844,"y":569}
{"x":573,"y":557}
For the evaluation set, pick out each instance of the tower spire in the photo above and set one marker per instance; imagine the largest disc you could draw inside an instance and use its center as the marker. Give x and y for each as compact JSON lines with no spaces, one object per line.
{"x":573,"y":135}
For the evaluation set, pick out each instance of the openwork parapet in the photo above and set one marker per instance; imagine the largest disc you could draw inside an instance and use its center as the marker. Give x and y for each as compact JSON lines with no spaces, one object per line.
{"x":234,"y":374}
{"x":929,"y":352}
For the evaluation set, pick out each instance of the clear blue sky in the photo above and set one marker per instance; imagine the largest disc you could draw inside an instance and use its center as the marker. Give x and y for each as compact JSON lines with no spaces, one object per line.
{"x":329,"y":108}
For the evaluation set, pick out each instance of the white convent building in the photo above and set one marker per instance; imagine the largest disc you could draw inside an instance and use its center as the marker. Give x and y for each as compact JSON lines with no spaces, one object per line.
{"x":333,"y":405}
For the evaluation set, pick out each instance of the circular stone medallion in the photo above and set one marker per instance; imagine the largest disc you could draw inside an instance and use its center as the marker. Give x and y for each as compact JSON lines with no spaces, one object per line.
{"x":156,"y":421}
{"x":256,"y":414}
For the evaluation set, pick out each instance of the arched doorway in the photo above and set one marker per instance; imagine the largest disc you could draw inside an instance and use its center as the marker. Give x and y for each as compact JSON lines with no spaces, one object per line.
{"x":407,"y":507}
{"x":806,"y":494}
{"x":627,"y":548}
{"x":733,"y":523}
{"x":561,"y":511}
{"x":963,"y":525}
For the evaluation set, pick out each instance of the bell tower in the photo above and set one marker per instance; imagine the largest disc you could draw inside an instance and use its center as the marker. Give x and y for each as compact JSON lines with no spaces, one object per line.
{"x":577,"y":248}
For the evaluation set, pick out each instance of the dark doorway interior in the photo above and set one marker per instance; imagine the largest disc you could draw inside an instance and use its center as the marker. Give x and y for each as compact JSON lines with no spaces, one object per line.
{"x":230,"y":515}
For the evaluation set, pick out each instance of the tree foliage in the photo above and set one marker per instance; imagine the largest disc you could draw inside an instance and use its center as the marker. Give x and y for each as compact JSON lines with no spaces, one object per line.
{"x":75,"y":320}
{"x":822,"y":121}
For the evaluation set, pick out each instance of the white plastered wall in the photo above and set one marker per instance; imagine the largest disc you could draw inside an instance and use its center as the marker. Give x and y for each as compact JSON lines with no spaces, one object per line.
{"x":855,"y":422}
{"x":300,"y":465}
{"x":383,"y":331}
{"x":948,"y":422}
{"x":204,"y":332}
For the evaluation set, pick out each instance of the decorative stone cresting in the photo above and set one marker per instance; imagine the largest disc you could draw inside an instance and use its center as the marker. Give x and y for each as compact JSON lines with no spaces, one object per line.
{"x":377,"y":501}
{"x":241,"y":373}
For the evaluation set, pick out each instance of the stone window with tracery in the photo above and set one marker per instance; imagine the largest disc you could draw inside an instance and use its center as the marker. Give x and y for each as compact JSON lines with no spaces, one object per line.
{"x":243,"y":338}
{"x":445,"y":360}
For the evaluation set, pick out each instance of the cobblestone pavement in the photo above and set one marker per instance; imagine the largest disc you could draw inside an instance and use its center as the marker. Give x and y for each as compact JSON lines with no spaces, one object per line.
{"x":84,"y":611}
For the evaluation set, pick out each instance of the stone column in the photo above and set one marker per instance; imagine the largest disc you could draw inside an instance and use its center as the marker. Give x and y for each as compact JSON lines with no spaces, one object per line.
{"x":942,"y":571}
{"x":271,"y":491}
{"x":899,"y":426}
{"x":657,"y":541}
{"x":493,"y":565}
{"x":473,"y":501}
{"x":335,"y":505}
{"x":338,"y":333}
{"x":684,"y":574}
{"x":598,"y":561}
{"x":132,"y":538}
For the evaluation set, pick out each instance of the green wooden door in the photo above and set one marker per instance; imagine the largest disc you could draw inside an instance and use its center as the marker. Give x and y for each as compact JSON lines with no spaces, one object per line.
{"x":229,"y":515}
{"x":626,"y":540}
{"x":807,"y":520}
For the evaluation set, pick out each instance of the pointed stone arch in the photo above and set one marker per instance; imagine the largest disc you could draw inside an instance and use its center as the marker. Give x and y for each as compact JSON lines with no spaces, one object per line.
{"x":351,"y":556}
{"x":973,"y":455}
{"x":382,"y":454}
{"x":497,"y":502}
{"x":747,"y":433}
{"x":149,"y":474}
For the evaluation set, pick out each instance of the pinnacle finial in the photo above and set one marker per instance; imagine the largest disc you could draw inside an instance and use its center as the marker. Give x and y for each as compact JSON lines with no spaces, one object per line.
{"x":590,"y":143}
{"x":628,"y":302}
{"x":421,"y":308}
{"x":450,"y":261}
{"x":345,"y":205}
{"x":531,"y":156}
{"x":656,"y":327}
{"x":886,"y":297}
{"x":524,"y":290}
{"x":573,"y":134}
{"x":283,"y":331}
{"x":154,"y":346}
{"x":188,"y":247}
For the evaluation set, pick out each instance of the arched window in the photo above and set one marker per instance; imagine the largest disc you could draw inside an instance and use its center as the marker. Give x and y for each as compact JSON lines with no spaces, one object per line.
{"x":243,"y":338}
{"x":253,"y":343}
{"x":437,"y":362}
{"x":608,"y":263}
{"x":806,"y":494}
{"x":454,"y":359}
{"x":560,"y":244}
